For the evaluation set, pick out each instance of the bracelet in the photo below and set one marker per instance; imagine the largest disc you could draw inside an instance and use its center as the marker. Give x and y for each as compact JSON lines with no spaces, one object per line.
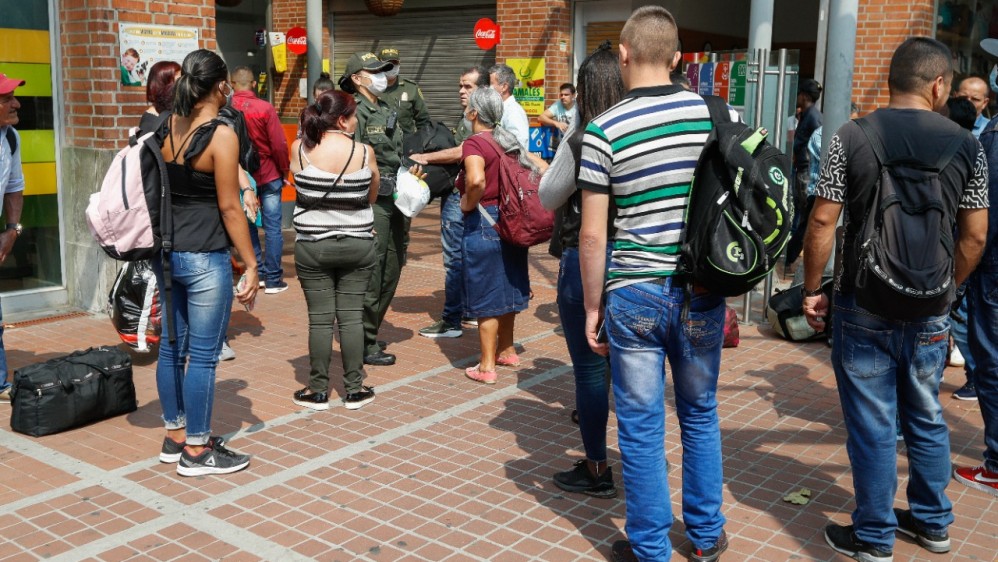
{"x":813,"y":293}
{"x":246,"y":188}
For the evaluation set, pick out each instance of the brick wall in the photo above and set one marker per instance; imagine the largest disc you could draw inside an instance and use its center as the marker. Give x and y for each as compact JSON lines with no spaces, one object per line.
{"x":538,"y":28}
{"x":883,"y":25}
{"x":288,"y":14}
{"x":98,"y":108}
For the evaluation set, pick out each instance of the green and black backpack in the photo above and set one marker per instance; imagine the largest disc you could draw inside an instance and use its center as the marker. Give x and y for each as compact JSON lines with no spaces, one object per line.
{"x":740,"y":210}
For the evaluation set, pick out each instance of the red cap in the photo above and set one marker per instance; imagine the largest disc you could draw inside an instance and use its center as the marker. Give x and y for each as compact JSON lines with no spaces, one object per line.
{"x":8,"y":85}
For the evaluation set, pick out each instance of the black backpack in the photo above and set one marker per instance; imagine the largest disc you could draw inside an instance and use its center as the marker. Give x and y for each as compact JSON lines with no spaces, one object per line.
{"x":11,"y":140}
{"x":249,"y":158}
{"x":905,"y":246}
{"x":431,"y":138}
{"x":740,"y":210}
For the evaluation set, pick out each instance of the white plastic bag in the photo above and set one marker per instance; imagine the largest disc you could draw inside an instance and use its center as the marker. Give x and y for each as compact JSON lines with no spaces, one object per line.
{"x":411,"y":193}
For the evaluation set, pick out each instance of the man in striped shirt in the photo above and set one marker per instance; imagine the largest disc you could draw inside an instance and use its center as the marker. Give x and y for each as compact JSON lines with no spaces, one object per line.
{"x":640,"y":155}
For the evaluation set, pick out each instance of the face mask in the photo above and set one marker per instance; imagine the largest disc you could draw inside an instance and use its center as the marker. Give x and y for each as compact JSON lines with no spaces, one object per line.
{"x":393,"y":73}
{"x":993,"y":78}
{"x":228,"y":96}
{"x":379,"y":83}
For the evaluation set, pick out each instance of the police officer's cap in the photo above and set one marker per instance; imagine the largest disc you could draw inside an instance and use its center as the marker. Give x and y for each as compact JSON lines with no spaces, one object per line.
{"x":389,"y":54}
{"x":365,"y":61}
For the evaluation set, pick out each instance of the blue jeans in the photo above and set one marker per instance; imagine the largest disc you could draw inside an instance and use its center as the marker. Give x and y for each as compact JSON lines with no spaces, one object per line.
{"x":269,"y":195}
{"x":983,"y":301}
{"x":885,"y":368}
{"x":4,"y":383}
{"x":202,"y":299}
{"x":451,"y":232}
{"x":591,"y":398}
{"x":959,"y":327}
{"x":645,"y":328}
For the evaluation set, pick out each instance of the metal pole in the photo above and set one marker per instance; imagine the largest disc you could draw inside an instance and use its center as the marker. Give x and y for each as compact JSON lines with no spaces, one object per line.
{"x":761,"y":25}
{"x":822,"y":45}
{"x":842,"y":20}
{"x":313,"y":32}
{"x":781,"y":110}
{"x":761,"y":61}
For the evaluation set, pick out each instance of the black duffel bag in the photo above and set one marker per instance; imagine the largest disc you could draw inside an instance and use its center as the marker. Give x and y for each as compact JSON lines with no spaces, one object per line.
{"x":80,"y":388}
{"x":786,"y":315}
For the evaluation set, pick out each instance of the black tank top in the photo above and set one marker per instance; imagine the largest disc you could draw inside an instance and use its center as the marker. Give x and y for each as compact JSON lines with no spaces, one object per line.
{"x":197,"y":222}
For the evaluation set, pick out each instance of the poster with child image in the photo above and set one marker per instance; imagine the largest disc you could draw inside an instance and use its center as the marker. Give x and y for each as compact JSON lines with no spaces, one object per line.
{"x":143,"y":45}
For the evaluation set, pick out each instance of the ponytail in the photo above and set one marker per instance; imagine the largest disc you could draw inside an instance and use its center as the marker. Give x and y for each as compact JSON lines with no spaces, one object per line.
{"x":202,"y":69}
{"x":323,"y":115}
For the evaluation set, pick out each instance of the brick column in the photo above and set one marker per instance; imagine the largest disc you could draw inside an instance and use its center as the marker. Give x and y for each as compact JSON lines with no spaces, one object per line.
{"x":538,"y":28}
{"x":882,"y":26}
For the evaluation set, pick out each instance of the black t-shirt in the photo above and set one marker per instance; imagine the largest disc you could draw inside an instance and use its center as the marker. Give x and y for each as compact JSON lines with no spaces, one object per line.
{"x":850,"y":173}
{"x":810,"y":120}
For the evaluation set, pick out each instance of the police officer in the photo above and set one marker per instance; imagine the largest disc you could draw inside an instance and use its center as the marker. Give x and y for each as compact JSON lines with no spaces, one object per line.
{"x":378,"y":126}
{"x":404,"y":95}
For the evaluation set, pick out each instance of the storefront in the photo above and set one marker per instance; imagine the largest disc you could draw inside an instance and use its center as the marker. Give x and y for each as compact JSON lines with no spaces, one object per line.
{"x":961,"y":25}
{"x":32,"y":275}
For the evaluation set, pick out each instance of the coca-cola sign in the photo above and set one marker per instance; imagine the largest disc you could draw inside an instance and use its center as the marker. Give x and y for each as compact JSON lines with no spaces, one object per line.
{"x":296,"y":40}
{"x":486,"y":34}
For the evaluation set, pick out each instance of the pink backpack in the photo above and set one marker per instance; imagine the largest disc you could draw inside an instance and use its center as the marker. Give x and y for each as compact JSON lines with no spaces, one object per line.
{"x":126,"y":217}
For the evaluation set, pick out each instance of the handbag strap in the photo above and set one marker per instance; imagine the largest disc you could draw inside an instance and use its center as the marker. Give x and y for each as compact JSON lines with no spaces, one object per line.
{"x":353,"y":146}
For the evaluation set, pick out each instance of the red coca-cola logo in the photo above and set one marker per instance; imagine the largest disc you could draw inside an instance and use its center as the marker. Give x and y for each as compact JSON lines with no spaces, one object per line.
{"x":486,"y":34}
{"x":296,"y":40}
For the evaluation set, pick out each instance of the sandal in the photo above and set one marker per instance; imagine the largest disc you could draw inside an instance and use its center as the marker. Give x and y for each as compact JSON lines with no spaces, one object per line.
{"x":509,"y":361}
{"x":487,"y":377}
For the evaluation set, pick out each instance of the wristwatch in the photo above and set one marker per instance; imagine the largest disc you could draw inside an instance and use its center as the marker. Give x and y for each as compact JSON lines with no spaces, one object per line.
{"x":17,"y":227}
{"x":813,"y":293}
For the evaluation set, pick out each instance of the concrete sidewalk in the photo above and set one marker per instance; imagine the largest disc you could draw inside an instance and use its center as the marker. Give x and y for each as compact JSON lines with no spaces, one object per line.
{"x":438,"y":467}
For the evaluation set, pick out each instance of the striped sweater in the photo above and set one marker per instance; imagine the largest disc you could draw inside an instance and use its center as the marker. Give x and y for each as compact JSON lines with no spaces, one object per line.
{"x":333,"y":208}
{"x":642,"y":152}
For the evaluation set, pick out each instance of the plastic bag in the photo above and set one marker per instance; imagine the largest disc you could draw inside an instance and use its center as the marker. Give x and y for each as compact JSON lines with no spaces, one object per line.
{"x":133,"y":306}
{"x":411,"y":193}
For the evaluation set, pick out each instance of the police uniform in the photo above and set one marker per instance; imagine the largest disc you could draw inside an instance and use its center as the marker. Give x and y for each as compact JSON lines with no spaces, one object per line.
{"x":405,"y":97}
{"x":391,"y":227}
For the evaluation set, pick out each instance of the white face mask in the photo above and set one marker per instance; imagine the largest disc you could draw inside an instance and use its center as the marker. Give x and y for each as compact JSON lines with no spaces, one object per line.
{"x":379,"y":83}
{"x":393,"y":73}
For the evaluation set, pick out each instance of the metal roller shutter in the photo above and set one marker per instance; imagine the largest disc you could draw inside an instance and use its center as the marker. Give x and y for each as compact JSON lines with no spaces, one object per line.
{"x":435,"y":44}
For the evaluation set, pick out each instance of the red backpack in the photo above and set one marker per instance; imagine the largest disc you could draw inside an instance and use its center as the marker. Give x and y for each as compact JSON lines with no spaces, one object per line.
{"x":523,"y":221}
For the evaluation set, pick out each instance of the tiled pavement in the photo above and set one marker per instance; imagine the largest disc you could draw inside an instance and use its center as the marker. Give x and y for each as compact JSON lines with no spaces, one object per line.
{"x":438,"y":467}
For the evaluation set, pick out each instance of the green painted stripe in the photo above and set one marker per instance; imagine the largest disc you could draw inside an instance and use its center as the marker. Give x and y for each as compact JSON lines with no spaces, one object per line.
{"x":655,"y":194}
{"x":661,"y":249}
{"x":37,"y":146}
{"x":628,"y":274}
{"x":37,"y":78}
{"x":662,"y":131}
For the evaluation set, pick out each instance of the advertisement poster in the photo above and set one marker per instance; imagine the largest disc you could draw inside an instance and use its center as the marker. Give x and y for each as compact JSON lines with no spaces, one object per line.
{"x":143,"y":45}
{"x":706,"y":85}
{"x":736,"y":88}
{"x":693,"y":75}
{"x":529,"y":90}
{"x":722,"y":76}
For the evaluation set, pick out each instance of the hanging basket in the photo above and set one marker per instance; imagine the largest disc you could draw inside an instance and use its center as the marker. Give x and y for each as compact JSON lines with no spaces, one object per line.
{"x":384,"y":8}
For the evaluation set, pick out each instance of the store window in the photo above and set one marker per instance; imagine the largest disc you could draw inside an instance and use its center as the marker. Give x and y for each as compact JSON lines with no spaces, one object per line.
{"x":25,"y":53}
{"x":961,"y":25}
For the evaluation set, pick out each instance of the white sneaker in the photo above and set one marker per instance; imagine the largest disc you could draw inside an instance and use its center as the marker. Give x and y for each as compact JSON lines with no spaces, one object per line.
{"x":226,"y":354}
{"x":956,"y":358}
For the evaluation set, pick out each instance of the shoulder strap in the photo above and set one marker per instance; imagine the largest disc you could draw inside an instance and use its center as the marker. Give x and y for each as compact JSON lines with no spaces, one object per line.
{"x":12,"y":140}
{"x":871,"y":135}
{"x":951,"y":150}
{"x":301,"y":153}
{"x":718,"y":109}
{"x":353,"y":146}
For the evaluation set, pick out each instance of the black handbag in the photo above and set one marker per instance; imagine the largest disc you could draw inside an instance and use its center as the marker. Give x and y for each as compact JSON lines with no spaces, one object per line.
{"x":786,"y":316}
{"x":77,"y":389}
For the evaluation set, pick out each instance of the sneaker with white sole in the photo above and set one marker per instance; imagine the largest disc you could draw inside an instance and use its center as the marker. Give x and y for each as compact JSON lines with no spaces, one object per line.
{"x":171,"y":451}
{"x":844,"y":540}
{"x":359,"y":399}
{"x":441,"y":329}
{"x":214,"y":459}
{"x":278,"y":287}
{"x":966,"y":392}
{"x":978,"y":478}
{"x":936,"y":542}
{"x":226,"y":354}
{"x":5,"y":396}
{"x":309,"y":399}
{"x":956,"y":358}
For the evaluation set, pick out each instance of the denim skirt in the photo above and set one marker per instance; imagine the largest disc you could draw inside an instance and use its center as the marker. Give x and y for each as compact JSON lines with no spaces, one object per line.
{"x":495,"y":273}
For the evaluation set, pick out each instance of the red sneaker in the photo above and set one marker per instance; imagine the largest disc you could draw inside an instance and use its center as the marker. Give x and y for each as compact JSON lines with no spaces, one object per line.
{"x":475,"y":374}
{"x":978,"y":478}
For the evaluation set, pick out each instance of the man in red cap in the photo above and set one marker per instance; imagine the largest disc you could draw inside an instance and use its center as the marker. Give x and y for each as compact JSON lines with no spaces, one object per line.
{"x":11,"y":186}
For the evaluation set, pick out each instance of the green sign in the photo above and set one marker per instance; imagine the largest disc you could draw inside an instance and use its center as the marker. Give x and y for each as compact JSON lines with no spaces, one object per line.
{"x":736,"y":88}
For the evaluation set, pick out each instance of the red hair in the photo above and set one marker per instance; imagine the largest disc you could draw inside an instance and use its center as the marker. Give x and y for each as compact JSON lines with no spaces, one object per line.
{"x":159,"y":87}
{"x":324,"y":114}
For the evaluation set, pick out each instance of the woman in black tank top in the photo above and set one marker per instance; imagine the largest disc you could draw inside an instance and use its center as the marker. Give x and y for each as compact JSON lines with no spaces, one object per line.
{"x":203,"y":164}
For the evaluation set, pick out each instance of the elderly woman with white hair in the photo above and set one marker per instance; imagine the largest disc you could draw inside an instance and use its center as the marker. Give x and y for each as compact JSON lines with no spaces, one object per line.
{"x":496,"y":282}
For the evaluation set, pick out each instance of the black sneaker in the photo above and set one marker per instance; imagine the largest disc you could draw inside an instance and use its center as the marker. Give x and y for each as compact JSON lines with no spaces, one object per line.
{"x":713,"y":553}
{"x":214,"y":459}
{"x":580,"y":480}
{"x":621,"y":551}
{"x":842,"y":539}
{"x":933,"y":542}
{"x":171,"y":451}
{"x":380,"y":358}
{"x":966,"y":392}
{"x":309,"y":399}
{"x":357,"y":400}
